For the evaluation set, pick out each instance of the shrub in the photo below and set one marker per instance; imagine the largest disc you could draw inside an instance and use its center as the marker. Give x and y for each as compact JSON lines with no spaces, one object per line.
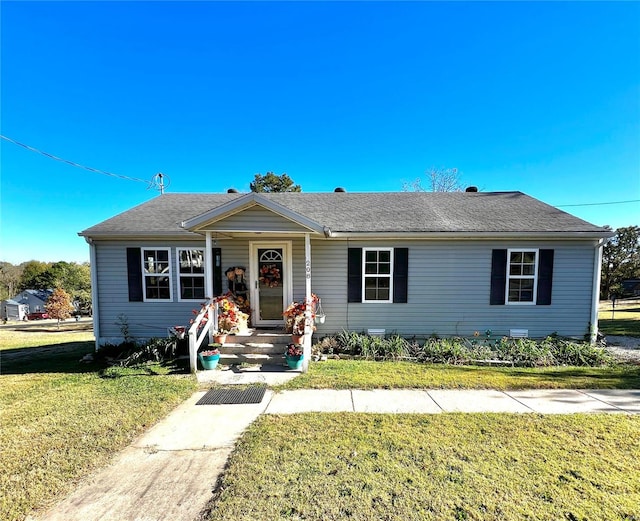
{"x":129,"y":354}
{"x":525,"y":352}
{"x":579,"y":353}
{"x":446,"y":351}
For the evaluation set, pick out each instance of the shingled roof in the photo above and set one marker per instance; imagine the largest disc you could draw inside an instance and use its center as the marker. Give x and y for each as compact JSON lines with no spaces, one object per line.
{"x":378,"y":212}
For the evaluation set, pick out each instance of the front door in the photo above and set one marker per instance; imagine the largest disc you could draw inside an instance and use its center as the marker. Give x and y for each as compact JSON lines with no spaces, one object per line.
{"x":270,"y":282}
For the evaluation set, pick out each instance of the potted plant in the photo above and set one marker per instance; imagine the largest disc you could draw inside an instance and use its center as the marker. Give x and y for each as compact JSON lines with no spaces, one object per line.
{"x":178,"y":332}
{"x":294,"y":356}
{"x":225,"y":326}
{"x":320,"y":316}
{"x":210,"y":357}
{"x":229,"y":315}
{"x":297,"y":320}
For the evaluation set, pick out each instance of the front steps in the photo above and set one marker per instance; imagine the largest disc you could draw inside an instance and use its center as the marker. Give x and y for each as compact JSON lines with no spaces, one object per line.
{"x":263,"y":347}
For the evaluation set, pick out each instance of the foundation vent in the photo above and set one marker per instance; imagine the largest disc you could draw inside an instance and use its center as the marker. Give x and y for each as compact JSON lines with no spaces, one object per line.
{"x":519,"y":333}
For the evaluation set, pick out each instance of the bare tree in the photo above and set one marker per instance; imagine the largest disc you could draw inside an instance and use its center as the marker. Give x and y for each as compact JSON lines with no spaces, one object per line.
{"x":438,"y":179}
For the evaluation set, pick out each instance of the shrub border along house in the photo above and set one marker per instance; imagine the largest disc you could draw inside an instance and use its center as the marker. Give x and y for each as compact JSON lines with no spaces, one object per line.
{"x":522,"y":352}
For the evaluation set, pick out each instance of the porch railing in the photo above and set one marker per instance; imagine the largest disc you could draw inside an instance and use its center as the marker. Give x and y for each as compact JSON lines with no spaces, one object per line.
{"x":206,"y":322}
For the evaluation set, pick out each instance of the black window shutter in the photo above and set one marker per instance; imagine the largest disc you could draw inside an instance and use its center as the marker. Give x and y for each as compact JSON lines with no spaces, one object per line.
{"x":545,"y":277}
{"x":134,"y":274}
{"x":354,"y":275}
{"x":498,"y":277}
{"x":400,"y":274}
{"x":217,"y":272}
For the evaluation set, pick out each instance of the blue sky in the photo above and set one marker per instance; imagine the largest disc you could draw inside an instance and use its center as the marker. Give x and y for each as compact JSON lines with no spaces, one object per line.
{"x":543,"y":98}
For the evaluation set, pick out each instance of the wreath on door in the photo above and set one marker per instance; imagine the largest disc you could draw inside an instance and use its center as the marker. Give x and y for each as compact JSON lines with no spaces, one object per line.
{"x":270,"y":275}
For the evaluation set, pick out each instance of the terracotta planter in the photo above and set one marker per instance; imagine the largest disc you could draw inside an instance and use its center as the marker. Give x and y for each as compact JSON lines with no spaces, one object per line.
{"x":297,"y":339}
{"x":220,"y":339}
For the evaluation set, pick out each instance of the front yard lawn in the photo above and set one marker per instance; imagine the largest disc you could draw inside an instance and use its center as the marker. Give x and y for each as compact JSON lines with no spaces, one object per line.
{"x":60,"y":419}
{"x":365,"y":374}
{"x":448,"y":466}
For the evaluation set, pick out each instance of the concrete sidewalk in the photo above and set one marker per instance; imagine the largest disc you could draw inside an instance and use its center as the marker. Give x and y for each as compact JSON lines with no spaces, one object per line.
{"x":170,"y":472}
{"x":544,"y":401}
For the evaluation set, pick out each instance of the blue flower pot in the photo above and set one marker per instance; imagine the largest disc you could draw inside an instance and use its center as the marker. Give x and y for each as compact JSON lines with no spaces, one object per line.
{"x":294,"y":362}
{"x":210,"y":361}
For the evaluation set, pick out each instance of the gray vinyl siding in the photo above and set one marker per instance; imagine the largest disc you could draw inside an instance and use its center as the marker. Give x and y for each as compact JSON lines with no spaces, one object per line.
{"x":151,"y":319}
{"x":256,"y":219}
{"x":448,"y":293}
{"x":145,"y":319}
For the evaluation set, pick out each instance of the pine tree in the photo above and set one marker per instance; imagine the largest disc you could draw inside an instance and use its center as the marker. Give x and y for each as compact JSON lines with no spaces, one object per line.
{"x":271,"y":182}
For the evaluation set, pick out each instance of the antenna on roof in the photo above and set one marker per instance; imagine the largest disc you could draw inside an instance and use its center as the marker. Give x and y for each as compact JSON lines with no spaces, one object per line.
{"x":157,"y":182}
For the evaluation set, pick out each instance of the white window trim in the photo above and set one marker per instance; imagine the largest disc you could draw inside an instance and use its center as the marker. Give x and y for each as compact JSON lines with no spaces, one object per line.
{"x":180,"y":275}
{"x":535,"y":276}
{"x":145,"y":275}
{"x":365,"y":276}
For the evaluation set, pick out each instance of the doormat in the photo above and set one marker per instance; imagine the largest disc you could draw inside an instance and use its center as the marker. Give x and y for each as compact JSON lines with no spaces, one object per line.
{"x":232,"y":396}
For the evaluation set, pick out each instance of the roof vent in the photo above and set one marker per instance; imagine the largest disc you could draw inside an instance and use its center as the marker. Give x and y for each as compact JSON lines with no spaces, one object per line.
{"x":232,"y":191}
{"x":471,"y":189}
{"x":339,"y":189}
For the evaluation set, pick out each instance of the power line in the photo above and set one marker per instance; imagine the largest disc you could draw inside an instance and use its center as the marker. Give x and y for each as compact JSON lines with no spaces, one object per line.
{"x":154,"y":183}
{"x":598,"y":204}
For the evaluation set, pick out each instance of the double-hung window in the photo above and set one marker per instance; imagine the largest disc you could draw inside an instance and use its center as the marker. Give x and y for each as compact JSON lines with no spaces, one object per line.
{"x":377,"y":275}
{"x":156,"y":271}
{"x":522,"y":276}
{"x":190,"y":273}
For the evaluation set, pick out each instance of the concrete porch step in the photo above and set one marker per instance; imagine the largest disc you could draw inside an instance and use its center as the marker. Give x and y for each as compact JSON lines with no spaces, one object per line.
{"x":259,"y":336}
{"x":238,"y":349}
{"x":255,"y":346}
{"x":252,"y":358}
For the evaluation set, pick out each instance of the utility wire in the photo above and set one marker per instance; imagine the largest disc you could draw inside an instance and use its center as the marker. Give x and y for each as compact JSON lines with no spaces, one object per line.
{"x":597,"y":204}
{"x":150,"y":184}
{"x":155,"y":184}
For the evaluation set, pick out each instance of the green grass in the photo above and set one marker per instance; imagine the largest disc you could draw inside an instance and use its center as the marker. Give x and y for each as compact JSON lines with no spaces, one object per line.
{"x":362,"y":374}
{"x":14,"y":338}
{"x":438,"y":467}
{"x":61,"y":419}
{"x":625,"y":321}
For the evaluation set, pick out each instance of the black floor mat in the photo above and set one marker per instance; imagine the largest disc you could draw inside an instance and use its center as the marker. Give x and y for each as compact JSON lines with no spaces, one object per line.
{"x":232,"y":396}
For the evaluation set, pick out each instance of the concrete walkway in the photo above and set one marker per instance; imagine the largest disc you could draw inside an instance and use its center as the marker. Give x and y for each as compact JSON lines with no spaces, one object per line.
{"x":542,"y":401}
{"x":169,"y":473}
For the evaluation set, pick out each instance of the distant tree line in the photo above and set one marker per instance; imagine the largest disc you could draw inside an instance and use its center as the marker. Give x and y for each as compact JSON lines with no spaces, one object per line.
{"x":620,"y":261}
{"x":73,"y":278}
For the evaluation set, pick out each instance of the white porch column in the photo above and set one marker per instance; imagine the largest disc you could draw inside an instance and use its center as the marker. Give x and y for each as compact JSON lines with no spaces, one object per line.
{"x":595,"y":296}
{"x":95,"y":308}
{"x":208,"y":273}
{"x":309,"y":332}
{"x":208,"y":262}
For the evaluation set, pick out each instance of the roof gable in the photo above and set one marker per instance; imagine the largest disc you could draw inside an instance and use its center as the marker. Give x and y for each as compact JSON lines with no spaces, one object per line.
{"x":221,"y":218}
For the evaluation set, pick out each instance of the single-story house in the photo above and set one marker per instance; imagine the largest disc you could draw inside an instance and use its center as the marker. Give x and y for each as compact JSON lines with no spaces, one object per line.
{"x":29,"y":300}
{"x":412,"y":263}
